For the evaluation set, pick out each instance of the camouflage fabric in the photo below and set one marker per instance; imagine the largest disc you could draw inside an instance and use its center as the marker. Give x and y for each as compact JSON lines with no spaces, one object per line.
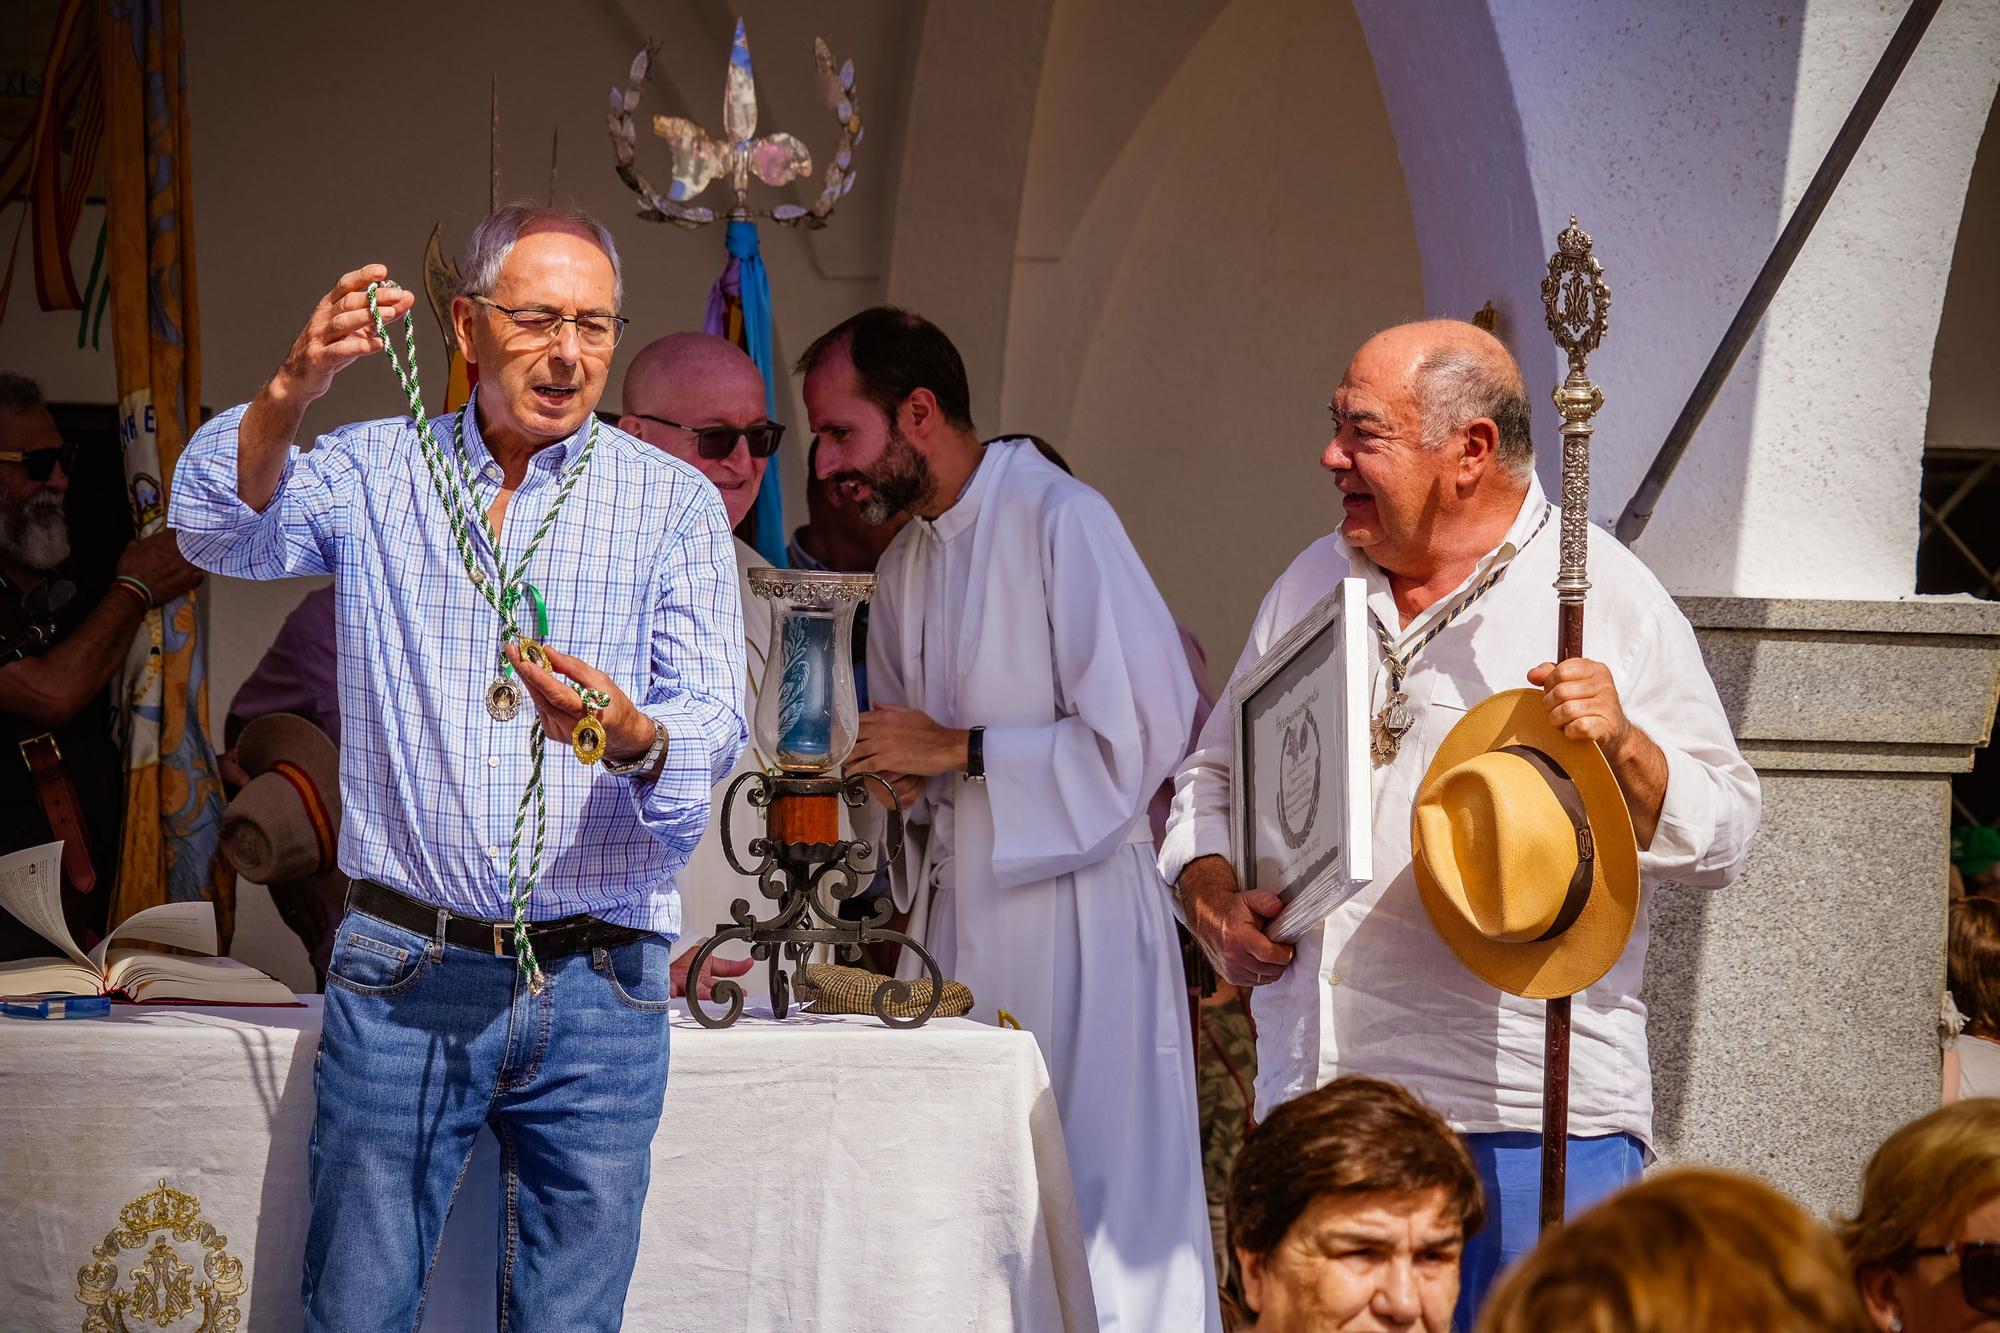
{"x":1225,"y":1077}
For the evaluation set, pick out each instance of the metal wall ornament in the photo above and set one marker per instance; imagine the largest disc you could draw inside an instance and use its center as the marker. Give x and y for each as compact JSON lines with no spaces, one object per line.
{"x":700,"y":159}
{"x":166,"y":1288}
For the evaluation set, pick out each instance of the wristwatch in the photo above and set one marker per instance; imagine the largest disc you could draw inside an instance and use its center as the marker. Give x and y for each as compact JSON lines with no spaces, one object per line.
{"x":975,"y":755}
{"x":644,"y":762}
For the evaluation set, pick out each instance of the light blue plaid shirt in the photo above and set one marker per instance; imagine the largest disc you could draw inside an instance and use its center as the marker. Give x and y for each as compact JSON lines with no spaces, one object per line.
{"x":639,"y":575}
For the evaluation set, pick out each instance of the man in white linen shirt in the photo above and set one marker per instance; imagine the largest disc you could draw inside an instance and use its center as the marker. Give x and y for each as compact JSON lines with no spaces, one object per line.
{"x":1028,"y":694}
{"x":1433,"y":459}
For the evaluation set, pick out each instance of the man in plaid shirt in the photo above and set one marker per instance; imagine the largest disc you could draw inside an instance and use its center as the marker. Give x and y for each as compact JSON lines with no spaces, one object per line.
{"x":433,"y":1027}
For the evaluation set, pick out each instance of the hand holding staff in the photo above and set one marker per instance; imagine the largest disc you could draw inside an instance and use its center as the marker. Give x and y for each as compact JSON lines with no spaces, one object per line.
{"x":1576,"y":302}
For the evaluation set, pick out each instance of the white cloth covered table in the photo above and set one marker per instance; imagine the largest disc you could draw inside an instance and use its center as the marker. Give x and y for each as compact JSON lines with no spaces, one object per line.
{"x":821,"y":1173}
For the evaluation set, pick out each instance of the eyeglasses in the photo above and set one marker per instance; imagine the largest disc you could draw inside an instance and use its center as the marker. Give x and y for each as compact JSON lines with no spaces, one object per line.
{"x":41,"y":463}
{"x":600,"y":333}
{"x":1978,"y":1270}
{"x":716,"y":443}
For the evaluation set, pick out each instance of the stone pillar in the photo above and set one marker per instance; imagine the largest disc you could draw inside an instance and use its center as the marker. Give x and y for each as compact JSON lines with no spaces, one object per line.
{"x":1793,"y":1015}
{"x":1683,"y":135}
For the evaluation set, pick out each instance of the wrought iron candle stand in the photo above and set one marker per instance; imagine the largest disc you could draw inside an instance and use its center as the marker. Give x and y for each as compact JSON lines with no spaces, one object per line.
{"x":805,"y":725}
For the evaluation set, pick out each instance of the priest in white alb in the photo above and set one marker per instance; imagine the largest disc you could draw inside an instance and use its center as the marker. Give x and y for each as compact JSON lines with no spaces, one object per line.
{"x":1029,"y":693}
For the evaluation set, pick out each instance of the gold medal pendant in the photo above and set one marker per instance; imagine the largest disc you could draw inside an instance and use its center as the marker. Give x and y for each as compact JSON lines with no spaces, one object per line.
{"x":588,"y":739}
{"x":534,"y":652}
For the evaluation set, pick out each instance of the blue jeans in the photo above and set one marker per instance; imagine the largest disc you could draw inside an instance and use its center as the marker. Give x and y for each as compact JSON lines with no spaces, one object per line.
{"x":1510,"y":1169}
{"x":426,"y":1042}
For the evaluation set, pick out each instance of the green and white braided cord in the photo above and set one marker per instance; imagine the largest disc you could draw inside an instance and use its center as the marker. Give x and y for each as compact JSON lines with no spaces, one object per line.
{"x":454,"y":498}
{"x":455,"y":493}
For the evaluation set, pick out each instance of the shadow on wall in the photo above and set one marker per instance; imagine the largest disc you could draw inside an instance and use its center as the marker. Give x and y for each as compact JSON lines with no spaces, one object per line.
{"x":1965,"y":393}
{"x":1181,"y":340}
{"x":1511,"y":118}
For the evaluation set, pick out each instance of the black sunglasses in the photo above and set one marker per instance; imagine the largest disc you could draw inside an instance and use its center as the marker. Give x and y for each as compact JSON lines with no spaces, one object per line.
{"x":41,"y":463}
{"x":1978,"y":1270}
{"x":718,"y":442}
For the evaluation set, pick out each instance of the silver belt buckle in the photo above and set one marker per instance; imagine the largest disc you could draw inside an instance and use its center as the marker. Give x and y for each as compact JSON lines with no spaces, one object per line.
{"x":500,"y":939}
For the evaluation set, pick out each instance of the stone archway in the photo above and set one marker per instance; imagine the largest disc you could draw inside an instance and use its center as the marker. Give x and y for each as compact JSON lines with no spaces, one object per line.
{"x":1959,"y":550}
{"x":1203,"y":245}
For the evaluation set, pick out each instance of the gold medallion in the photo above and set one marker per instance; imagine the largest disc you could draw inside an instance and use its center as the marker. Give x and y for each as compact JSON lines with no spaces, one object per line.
{"x":588,"y":739}
{"x":534,"y":652}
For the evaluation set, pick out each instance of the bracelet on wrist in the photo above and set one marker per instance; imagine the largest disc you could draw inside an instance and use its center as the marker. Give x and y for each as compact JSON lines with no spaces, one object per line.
{"x":137,"y":589}
{"x":644,"y":763}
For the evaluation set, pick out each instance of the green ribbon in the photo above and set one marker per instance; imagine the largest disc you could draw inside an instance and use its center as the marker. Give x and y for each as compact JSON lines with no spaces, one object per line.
{"x":541,"y":610}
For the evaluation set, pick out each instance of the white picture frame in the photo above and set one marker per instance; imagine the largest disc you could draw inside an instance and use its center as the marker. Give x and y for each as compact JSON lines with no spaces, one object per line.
{"x":1300,"y":798}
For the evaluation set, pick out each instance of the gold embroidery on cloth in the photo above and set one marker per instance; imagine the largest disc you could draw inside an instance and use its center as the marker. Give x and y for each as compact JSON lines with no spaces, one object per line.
{"x":165,"y":1288}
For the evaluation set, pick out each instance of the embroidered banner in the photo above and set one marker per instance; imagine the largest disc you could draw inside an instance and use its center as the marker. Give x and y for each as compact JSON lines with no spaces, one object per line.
{"x":173,"y":810}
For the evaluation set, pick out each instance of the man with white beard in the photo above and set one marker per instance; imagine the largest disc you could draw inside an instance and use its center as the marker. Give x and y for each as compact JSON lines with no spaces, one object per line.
{"x":1028,"y":695}
{"x":62,"y":774}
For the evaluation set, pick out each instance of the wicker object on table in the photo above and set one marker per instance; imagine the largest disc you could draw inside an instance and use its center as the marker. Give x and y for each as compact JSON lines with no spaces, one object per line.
{"x":829,"y":988}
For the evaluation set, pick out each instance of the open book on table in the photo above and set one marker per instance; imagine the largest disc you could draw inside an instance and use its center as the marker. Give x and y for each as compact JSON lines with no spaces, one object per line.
{"x":30,"y":888}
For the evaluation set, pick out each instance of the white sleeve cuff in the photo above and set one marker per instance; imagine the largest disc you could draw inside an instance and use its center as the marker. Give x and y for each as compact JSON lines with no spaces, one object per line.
{"x":1188,"y":840}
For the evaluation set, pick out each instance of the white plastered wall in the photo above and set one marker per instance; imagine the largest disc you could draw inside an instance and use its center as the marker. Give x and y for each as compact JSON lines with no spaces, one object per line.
{"x":1211,"y":225}
{"x":1684,"y":135}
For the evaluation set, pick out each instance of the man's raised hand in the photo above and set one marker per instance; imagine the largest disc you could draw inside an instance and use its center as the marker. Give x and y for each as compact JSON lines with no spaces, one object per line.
{"x":341,"y":330}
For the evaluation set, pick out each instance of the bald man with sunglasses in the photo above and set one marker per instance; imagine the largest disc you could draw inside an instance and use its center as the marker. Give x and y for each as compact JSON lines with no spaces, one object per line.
{"x":701,"y":399}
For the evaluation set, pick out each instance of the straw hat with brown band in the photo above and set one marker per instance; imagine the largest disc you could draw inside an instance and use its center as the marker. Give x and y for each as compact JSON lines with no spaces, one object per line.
{"x":1524,"y":852}
{"x":283,"y":827}
{"x":284,"y":823}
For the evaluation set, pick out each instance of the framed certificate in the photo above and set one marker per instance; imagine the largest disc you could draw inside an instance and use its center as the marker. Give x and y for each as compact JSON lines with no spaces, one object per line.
{"x":1301,"y":798}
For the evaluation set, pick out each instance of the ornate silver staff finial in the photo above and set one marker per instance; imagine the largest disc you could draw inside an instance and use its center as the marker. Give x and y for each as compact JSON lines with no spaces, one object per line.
{"x":699,"y":158}
{"x":1576,"y":302}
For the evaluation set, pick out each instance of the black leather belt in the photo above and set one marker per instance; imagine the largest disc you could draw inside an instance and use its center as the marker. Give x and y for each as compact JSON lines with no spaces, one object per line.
{"x":1571,"y":800}
{"x":552,"y":939}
